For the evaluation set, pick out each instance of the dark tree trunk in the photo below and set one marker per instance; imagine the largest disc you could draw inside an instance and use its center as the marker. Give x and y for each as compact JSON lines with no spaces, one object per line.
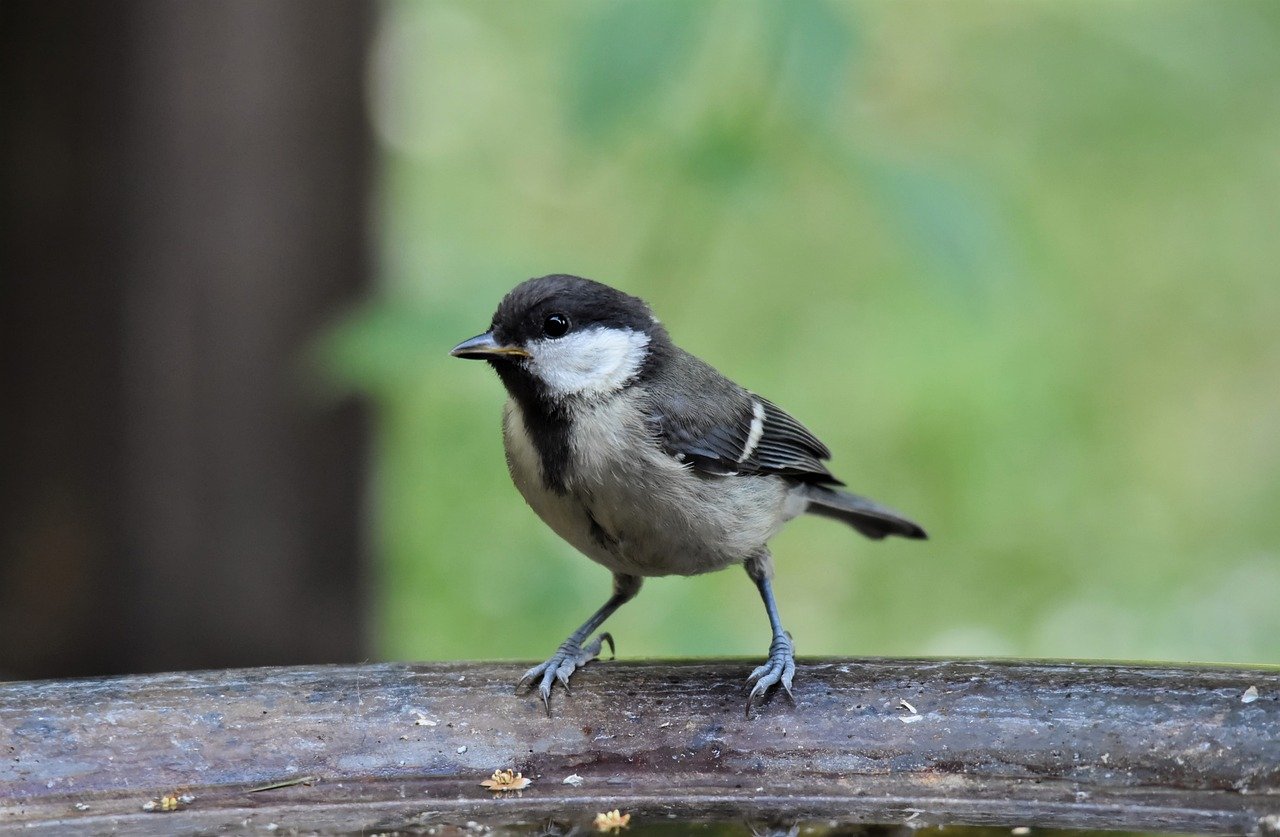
{"x":185,"y":189}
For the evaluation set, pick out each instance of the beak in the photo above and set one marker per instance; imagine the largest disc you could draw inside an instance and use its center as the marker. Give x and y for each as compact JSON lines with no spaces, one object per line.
{"x":483,"y":346}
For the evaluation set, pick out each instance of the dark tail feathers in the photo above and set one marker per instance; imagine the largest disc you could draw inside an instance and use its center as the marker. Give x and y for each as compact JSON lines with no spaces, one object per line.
{"x":870,"y":518}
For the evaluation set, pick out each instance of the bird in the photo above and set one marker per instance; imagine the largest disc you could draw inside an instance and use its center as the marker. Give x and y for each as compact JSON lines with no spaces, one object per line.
{"x":648,"y":460}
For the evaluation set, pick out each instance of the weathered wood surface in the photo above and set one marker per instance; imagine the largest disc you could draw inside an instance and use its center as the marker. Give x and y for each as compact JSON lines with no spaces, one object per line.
{"x":404,"y":746}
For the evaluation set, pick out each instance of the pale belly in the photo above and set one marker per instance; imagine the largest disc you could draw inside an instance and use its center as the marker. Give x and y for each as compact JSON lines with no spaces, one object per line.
{"x":636,"y":510}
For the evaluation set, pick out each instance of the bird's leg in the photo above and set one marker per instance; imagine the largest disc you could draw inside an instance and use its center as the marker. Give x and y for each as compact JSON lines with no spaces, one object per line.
{"x":781,"y":665}
{"x":572,"y":654}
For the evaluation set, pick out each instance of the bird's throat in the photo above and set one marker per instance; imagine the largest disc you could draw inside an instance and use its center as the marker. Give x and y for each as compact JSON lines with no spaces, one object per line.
{"x":547,"y":422}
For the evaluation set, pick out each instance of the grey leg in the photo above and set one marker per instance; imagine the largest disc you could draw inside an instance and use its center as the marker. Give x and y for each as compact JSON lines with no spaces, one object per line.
{"x":781,"y":665}
{"x":572,"y":654}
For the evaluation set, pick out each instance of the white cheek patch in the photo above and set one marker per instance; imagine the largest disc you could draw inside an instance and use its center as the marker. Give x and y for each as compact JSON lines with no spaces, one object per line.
{"x":594,"y":361}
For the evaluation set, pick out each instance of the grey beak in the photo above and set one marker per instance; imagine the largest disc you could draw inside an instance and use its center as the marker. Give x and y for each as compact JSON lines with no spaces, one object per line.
{"x":484,"y":346}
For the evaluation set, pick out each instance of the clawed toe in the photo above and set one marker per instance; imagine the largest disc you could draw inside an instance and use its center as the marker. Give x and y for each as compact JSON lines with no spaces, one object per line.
{"x":592,"y":649}
{"x":779,"y":669}
{"x":568,"y":658}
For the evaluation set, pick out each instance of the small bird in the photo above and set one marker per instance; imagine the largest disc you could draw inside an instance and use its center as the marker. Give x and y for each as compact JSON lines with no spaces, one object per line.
{"x":648,"y":460}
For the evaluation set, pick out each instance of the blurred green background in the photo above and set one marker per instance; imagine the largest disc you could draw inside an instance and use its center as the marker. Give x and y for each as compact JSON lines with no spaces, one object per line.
{"x":1016,"y":263}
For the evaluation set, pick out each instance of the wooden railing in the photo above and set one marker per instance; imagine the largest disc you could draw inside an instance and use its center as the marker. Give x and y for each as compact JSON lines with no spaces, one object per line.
{"x":380,"y":747}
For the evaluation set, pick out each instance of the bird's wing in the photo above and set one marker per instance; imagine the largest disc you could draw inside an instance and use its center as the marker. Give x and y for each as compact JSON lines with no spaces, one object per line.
{"x":719,"y":428}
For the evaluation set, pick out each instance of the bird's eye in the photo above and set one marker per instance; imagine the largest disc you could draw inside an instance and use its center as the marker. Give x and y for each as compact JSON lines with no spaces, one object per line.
{"x":556,"y":325}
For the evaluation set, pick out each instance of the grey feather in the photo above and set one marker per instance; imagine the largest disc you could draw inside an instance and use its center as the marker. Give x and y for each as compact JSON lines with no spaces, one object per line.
{"x":867,"y":516}
{"x":703,"y":418}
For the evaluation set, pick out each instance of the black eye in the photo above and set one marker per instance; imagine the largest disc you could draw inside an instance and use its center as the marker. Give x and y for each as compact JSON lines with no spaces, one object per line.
{"x":556,"y":325}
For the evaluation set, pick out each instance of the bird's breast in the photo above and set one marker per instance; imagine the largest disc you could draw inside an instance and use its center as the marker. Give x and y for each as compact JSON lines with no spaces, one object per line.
{"x":630,"y":506}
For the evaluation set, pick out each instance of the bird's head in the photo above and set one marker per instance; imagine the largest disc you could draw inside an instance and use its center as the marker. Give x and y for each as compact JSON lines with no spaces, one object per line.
{"x":561,"y":337}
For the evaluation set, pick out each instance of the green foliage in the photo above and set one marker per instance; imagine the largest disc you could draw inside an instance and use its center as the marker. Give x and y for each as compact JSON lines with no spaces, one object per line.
{"x":626,"y":55}
{"x":810,"y":43}
{"x":1014,"y":263}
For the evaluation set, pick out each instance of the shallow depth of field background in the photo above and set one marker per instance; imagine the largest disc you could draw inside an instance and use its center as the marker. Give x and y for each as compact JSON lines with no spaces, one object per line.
{"x":1016,"y":263}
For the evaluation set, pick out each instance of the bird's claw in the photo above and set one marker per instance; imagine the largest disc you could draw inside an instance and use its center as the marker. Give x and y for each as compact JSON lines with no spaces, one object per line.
{"x":779,"y":669}
{"x":569,"y":657}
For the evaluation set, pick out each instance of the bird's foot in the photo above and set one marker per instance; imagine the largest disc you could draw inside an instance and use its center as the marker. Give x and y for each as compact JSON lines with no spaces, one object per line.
{"x":569,"y":657}
{"x":778,"y":669}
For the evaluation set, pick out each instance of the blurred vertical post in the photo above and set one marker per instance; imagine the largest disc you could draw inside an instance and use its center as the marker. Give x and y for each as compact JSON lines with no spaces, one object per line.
{"x":185,"y":192}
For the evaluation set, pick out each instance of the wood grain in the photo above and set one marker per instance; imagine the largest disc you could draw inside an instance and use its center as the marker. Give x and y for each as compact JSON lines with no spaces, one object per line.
{"x":1082,"y":745}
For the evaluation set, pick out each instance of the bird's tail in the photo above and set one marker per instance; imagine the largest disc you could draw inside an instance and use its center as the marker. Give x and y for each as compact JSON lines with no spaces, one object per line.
{"x":870,"y":518}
